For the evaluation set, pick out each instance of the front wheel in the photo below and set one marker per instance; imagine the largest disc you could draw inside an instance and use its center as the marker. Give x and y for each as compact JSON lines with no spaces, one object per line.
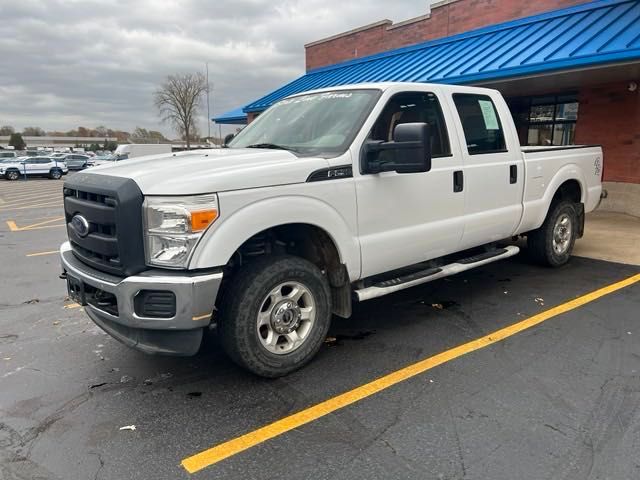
{"x":552,"y":243}
{"x":12,"y":175}
{"x":275,"y":315}
{"x":55,"y":174}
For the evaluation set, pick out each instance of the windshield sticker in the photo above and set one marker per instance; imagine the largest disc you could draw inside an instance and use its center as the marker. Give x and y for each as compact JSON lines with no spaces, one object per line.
{"x":317,"y":97}
{"x":489,"y":115}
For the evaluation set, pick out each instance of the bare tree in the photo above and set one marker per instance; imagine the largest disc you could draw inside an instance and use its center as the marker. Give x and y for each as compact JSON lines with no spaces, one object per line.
{"x":178,"y":99}
{"x":33,"y":132}
{"x":7,"y":130}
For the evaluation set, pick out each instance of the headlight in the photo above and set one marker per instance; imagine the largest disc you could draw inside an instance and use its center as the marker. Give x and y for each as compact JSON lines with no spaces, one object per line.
{"x":173,"y":226}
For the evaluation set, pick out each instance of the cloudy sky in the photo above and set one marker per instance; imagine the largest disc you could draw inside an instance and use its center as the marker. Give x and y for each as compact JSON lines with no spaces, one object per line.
{"x":67,"y":63}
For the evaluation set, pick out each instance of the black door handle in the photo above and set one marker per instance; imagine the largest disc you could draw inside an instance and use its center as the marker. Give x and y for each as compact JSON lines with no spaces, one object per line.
{"x":513,"y":174}
{"x":458,"y":181}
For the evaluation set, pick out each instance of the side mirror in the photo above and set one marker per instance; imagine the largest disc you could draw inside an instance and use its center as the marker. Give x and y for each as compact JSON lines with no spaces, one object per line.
{"x":409,"y":152}
{"x":228,"y":138}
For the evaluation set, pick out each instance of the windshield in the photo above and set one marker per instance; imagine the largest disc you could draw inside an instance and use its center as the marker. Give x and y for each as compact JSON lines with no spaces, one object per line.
{"x":314,"y":124}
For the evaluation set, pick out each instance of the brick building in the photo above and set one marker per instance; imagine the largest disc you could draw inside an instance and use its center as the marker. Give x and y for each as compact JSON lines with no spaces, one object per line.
{"x":569,"y":70}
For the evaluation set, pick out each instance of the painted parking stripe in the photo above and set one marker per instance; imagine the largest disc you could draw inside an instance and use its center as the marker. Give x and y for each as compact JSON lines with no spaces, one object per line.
{"x":40,"y":254}
{"x":36,"y":226}
{"x":244,"y":442}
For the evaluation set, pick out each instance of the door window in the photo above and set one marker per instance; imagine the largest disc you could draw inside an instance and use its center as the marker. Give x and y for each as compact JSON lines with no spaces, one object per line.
{"x":412,"y":107}
{"x":481,"y":123}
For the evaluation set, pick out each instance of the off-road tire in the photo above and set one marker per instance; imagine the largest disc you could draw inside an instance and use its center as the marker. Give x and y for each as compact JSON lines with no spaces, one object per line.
{"x":540,"y":242}
{"x":240,"y":304}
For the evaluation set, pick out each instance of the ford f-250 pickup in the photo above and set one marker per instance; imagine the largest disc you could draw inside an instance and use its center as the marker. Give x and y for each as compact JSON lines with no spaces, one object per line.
{"x":329,"y":197}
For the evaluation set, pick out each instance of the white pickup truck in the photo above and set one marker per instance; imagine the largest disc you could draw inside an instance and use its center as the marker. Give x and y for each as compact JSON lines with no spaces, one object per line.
{"x":329,"y":197}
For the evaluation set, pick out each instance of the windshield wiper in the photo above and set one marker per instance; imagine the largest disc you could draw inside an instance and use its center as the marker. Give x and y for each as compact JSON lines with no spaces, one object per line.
{"x":272,"y":146}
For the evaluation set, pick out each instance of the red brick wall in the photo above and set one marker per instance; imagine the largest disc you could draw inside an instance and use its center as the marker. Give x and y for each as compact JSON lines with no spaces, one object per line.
{"x":251,"y":117}
{"x":445,"y":20}
{"x":610,"y":115}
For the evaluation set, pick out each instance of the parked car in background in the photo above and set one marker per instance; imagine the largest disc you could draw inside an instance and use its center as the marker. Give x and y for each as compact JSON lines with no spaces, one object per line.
{"x":9,"y":154}
{"x":32,"y":166}
{"x":103,"y":159}
{"x":76,"y":161}
{"x":133,"y":150}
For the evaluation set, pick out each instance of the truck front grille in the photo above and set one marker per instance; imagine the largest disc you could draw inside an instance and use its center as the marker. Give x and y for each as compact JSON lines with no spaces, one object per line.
{"x":112,"y":208}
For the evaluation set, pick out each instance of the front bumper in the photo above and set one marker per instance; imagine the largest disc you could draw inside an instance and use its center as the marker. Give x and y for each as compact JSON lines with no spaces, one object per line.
{"x":181,"y":334}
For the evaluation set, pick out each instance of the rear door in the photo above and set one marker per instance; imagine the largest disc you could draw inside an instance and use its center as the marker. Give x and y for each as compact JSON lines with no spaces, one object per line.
{"x":493,"y":168}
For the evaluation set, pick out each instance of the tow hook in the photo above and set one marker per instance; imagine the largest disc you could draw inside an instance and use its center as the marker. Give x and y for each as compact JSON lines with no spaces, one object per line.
{"x":63,"y":275}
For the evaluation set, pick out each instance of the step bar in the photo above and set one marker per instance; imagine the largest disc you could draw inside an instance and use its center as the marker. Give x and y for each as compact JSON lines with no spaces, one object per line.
{"x":396,"y":284}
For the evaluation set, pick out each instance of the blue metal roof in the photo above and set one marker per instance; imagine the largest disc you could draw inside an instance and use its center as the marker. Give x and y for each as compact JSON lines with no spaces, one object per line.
{"x":600,"y":32}
{"x":232,"y":117}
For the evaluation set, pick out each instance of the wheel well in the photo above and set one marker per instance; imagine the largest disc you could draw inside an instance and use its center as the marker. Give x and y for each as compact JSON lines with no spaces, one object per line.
{"x":306,"y":241}
{"x":569,"y":190}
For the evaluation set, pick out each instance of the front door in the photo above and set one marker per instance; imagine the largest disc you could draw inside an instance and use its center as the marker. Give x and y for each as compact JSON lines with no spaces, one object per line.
{"x":408,"y":218}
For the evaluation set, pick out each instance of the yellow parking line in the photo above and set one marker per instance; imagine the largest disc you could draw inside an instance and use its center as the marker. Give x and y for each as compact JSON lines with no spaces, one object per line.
{"x":232,"y":447}
{"x":39,"y":254}
{"x":35,"y":226}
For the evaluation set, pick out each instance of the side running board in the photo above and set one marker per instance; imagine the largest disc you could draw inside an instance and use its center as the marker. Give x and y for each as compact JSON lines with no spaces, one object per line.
{"x":418,"y":278}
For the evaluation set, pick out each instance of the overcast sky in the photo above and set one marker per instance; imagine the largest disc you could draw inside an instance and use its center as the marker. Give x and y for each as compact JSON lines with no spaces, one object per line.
{"x":66,"y":63}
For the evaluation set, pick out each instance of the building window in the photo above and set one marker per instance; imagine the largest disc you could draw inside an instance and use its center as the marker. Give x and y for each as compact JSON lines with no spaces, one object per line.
{"x":548,"y":120}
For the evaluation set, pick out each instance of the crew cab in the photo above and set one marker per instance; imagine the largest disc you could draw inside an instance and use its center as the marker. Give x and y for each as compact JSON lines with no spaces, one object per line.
{"x":33,"y":167}
{"x":329,"y":197}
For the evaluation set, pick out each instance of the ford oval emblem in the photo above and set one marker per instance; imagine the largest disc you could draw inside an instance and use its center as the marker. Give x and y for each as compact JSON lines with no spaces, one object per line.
{"x":80,"y":225}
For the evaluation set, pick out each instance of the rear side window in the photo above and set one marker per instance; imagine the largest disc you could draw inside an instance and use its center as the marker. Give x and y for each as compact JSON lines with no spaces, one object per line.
{"x":481,"y":123}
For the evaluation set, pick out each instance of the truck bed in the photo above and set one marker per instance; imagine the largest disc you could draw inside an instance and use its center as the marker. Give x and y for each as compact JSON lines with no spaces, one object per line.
{"x":548,"y":167}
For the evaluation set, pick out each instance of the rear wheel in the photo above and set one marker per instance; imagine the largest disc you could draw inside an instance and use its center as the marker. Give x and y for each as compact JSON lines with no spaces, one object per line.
{"x":552,"y":243}
{"x":275,"y":315}
{"x":55,"y":174}
{"x":12,"y":175}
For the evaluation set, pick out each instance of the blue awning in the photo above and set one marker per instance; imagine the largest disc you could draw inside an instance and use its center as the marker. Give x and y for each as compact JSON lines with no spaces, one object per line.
{"x":232,"y":117}
{"x":596,"y":33}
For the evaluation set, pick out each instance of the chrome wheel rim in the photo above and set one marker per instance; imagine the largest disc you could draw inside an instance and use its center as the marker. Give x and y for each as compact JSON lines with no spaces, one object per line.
{"x":286,"y":317}
{"x":562,"y":234}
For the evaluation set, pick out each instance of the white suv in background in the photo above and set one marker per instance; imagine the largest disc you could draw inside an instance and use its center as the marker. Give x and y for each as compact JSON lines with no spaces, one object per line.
{"x":12,"y":169}
{"x":8,"y":154}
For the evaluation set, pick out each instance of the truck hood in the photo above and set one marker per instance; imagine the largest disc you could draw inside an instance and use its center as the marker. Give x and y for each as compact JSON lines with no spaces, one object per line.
{"x":215,"y":170}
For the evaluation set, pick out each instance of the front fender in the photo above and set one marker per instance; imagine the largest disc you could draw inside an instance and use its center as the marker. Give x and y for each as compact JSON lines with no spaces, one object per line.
{"x":218,"y":244}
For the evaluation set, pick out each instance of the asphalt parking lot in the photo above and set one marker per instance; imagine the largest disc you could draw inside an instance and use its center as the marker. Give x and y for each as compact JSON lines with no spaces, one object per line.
{"x":481,"y":378}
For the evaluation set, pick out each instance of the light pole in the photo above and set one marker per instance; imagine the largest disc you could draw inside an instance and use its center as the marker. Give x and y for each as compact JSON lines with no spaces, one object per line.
{"x":208,"y":108}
